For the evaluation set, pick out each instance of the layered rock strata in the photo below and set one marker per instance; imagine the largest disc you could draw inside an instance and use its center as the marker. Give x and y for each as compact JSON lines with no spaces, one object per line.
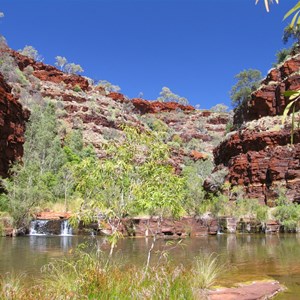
{"x":260,"y":156}
{"x":12,"y":128}
{"x":269,"y":99}
{"x":262,"y":163}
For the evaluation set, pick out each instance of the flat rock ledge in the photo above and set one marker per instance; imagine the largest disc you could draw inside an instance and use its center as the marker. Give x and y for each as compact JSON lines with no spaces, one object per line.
{"x":260,"y":290}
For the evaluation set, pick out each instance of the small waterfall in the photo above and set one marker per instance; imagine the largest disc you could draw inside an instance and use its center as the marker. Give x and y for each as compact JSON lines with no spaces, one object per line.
{"x":38,"y":227}
{"x":66,"y":228}
{"x":50,"y":227}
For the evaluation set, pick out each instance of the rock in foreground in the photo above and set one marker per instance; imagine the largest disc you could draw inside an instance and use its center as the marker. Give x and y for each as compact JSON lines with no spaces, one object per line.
{"x":253,"y":291}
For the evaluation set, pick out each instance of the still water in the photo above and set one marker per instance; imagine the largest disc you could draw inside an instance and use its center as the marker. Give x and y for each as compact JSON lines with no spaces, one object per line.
{"x":251,"y":257}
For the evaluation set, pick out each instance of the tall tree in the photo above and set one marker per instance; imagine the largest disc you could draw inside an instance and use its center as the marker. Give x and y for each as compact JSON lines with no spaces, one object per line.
{"x":134,"y":178}
{"x":35,"y":179}
{"x":247,"y":82}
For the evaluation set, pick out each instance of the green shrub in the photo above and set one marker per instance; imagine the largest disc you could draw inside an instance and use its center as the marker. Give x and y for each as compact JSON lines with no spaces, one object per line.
{"x":288,"y":215}
{"x":177,"y":139}
{"x":250,"y":208}
{"x":77,"y":88}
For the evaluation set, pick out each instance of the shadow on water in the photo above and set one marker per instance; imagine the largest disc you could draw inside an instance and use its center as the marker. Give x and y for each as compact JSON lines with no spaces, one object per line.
{"x":252,"y":257}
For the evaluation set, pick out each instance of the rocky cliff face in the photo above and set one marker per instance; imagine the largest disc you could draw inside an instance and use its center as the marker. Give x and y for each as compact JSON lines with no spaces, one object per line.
{"x":260,"y":157}
{"x":12,"y":128}
{"x":268,"y":100}
{"x":47,"y":72}
{"x":191,"y":134}
{"x":263,"y":163}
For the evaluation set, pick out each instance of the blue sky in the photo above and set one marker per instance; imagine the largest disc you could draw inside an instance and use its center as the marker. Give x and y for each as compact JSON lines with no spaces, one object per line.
{"x":194,"y":47}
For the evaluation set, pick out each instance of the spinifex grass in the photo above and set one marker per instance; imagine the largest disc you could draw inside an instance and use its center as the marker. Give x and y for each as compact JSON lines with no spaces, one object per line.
{"x":206,"y":270}
{"x":87,"y":276}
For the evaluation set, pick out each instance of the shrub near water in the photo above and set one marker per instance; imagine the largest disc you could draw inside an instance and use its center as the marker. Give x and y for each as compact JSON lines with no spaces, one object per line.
{"x":88,"y":276}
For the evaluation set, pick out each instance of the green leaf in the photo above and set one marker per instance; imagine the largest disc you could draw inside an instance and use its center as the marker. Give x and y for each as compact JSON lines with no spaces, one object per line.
{"x":289,"y":93}
{"x":291,"y":11}
{"x":287,"y":109}
{"x":295,"y":18}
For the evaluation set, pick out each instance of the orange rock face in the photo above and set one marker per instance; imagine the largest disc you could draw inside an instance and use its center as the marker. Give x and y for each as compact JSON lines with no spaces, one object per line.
{"x":12,"y":128}
{"x":53,"y":215}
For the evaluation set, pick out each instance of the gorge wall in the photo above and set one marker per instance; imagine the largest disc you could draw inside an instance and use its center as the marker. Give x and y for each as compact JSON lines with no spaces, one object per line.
{"x":12,"y":128}
{"x":190,"y":133}
{"x":269,"y":100}
{"x":259,"y":157}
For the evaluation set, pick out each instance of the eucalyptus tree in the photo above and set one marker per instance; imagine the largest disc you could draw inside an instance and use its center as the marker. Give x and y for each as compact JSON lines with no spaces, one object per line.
{"x":61,"y":61}
{"x":134,"y":178}
{"x":166,"y":95}
{"x":108,"y":87}
{"x":72,"y":68}
{"x":34,"y":180}
{"x":247,"y":82}
{"x":31,"y":52}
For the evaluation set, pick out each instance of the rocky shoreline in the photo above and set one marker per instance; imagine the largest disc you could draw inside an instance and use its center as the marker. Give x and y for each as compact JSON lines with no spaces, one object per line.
{"x":148,"y":226}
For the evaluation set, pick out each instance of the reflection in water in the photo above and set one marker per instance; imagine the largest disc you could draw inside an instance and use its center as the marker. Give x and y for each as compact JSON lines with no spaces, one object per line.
{"x":65,"y":243}
{"x":252,"y":257}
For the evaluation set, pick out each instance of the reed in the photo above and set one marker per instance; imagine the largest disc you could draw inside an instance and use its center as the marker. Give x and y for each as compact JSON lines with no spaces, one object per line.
{"x":88,"y":276}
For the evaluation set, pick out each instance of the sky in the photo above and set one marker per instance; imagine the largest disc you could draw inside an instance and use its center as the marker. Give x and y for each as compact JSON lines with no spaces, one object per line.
{"x":194,"y":47}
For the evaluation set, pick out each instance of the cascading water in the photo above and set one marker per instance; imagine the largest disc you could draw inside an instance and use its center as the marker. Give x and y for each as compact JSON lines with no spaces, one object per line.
{"x":50,"y":227}
{"x":66,"y":228}
{"x":38,"y":227}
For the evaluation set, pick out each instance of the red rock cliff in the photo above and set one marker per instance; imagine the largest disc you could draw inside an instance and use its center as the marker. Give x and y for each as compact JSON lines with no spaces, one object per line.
{"x":260,"y":156}
{"x":262,"y":162}
{"x":12,"y":128}
{"x":268,"y":100}
{"x":47,"y":72}
{"x":143,"y":106}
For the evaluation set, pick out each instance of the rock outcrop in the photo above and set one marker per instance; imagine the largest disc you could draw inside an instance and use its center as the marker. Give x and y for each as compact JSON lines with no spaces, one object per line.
{"x":269,"y":99}
{"x":12,"y":128}
{"x":152,"y":107}
{"x":143,"y":106}
{"x":260,"y":156}
{"x":262,"y":162}
{"x":47,"y":72}
{"x":149,"y":226}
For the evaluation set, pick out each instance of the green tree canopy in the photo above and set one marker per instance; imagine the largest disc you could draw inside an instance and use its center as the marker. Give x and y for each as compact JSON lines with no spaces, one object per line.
{"x":247,"y":82}
{"x":35,"y":179}
{"x":293,"y":33}
{"x":134,"y":178}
